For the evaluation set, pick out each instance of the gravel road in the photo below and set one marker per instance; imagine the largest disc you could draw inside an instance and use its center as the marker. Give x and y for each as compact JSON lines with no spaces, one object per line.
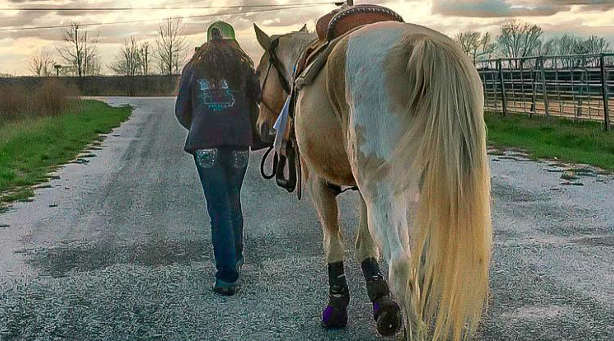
{"x":118,"y":248}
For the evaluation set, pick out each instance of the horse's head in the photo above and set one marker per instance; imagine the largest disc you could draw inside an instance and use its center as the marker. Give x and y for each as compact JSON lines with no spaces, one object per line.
{"x":275,"y":74}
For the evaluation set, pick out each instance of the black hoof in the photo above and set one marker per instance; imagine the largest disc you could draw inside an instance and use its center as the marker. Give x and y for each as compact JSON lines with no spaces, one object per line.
{"x":387,"y":314}
{"x":334,"y":318}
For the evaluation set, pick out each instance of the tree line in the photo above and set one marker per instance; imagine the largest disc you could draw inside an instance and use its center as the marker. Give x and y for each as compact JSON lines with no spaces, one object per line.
{"x":168,"y":51}
{"x":79,"y":55}
{"x":518,"y":39}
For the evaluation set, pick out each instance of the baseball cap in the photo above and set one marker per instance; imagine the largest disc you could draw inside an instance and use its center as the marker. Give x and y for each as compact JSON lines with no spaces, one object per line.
{"x":224,"y":28}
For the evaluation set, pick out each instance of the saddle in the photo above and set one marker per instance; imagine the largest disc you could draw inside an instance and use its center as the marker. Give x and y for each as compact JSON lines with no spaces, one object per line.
{"x":331,"y":28}
{"x":340,"y":21}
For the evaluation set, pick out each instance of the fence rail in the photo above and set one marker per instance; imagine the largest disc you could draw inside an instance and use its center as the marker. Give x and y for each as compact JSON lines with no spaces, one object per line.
{"x":575,"y":86}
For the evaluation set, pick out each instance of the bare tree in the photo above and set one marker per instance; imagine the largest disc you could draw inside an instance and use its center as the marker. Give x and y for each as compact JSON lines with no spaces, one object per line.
{"x":80,"y":52}
{"x":595,"y":45}
{"x":548,"y":48}
{"x":91,"y":65}
{"x":171,"y":46}
{"x":41,"y":64}
{"x":145,"y":56}
{"x":570,"y":44}
{"x":468,"y":41}
{"x":519,"y":39}
{"x":128,"y":61}
{"x":476,"y":45}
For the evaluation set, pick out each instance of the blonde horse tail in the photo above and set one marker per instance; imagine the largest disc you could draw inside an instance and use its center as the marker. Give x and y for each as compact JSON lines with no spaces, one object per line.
{"x":446,"y":147}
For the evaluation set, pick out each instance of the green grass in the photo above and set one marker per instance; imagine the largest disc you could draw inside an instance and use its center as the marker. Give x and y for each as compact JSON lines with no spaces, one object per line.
{"x":32,"y":147}
{"x":566,"y":140}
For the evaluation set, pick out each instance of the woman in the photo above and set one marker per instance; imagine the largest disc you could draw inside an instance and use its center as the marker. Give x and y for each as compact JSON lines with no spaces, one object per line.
{"x":218,"y":89}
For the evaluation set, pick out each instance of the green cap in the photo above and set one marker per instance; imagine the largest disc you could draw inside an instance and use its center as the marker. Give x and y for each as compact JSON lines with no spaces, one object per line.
{"x":225,"y":29}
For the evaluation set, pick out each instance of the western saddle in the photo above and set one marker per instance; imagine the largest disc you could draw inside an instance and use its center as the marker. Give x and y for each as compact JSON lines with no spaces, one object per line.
{"x":330,"y":28}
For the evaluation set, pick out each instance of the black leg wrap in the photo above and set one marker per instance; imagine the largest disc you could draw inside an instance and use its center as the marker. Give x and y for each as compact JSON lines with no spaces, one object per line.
{"x":376,"y":285}
{"x":370,"y":268}
{"x":335,"y":314}
{"x":386,"y":312}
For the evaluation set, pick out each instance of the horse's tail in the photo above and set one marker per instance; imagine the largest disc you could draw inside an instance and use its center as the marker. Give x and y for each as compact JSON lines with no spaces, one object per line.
{"x":451,"y":247}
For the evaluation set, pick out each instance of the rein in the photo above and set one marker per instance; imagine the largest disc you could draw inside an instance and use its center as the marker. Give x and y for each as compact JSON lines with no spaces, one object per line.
{"x":274,"y":62}
{"x":291,"y":158}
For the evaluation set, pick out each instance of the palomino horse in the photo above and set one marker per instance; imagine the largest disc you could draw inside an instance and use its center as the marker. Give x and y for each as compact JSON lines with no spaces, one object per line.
{"x":398,"y":112}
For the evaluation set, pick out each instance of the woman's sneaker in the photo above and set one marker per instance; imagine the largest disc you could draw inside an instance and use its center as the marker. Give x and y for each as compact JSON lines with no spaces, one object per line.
{"x":225,"y":288}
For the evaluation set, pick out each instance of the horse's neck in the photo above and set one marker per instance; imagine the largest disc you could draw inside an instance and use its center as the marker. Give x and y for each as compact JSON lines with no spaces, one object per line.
{"x":298,"y":43}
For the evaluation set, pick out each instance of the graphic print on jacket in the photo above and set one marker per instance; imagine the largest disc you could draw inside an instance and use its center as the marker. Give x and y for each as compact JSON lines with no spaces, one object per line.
{"x":216,"y":98}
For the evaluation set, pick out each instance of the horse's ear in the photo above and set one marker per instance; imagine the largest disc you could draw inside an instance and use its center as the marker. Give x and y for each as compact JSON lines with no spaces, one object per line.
{"x":303,"y":29}
{"x":263,"y":39}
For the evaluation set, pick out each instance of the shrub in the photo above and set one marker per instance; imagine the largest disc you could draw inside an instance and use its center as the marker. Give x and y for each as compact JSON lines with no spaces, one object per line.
{"x":13,"y":100}
{"x":50,"y":97}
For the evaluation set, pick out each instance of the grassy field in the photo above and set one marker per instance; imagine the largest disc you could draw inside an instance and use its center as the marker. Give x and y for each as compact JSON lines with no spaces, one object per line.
{"x":33,"y":146}
{"x":567,"y":140}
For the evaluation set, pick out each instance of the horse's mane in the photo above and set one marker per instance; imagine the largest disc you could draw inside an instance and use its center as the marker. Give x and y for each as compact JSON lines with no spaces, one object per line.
{"x":222,"y":60}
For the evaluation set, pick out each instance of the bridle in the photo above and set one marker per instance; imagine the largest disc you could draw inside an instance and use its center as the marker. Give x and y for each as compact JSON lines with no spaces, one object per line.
{"x":291,"y":156}
{"x":274,"y":62}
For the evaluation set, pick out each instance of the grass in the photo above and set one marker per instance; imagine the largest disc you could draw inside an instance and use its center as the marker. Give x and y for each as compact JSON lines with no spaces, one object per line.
{"x":564,"y":139}
{"x":33,"y":146}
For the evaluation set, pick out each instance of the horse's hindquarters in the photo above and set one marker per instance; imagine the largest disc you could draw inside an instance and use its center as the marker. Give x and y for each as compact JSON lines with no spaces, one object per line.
{"x":415,"y":117}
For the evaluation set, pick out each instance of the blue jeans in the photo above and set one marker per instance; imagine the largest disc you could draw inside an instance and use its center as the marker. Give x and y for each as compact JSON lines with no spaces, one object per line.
{"x":221,"y":171}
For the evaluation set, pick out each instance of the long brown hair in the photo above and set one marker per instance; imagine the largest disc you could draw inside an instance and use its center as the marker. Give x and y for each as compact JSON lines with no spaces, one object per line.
{"x":219,"y":59}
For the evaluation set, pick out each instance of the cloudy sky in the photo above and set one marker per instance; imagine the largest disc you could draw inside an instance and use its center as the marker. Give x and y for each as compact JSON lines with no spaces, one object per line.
{"x":17,"y":45}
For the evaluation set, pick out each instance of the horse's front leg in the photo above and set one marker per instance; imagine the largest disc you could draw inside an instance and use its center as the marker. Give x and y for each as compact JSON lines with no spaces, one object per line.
{"x":324,"y":199}
{"x":386,"y":312}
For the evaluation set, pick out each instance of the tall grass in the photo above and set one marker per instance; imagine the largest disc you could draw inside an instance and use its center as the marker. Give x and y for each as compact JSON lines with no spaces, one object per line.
{"x":50,"y":98}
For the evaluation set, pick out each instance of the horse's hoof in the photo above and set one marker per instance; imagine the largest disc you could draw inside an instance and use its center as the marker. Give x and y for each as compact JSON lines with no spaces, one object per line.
{"x":387,"y":315}
{"x":333,"y":318}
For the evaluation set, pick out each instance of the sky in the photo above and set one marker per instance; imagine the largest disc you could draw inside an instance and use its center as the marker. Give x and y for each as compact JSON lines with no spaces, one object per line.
{"x":17,"y":46}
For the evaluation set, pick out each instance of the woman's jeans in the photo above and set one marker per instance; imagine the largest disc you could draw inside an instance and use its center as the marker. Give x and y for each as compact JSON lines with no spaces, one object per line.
{"x":221,"y":172}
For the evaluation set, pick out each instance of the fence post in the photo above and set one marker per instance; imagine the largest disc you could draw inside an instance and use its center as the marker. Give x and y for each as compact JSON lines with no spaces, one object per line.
{"x":544,"y":90}
{"x":604,"y":93}
{"x":503,"y":99}
{"x":533,"y":90}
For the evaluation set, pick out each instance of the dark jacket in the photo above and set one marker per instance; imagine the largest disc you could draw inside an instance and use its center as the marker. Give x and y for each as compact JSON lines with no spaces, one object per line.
{"x":216,"y":114}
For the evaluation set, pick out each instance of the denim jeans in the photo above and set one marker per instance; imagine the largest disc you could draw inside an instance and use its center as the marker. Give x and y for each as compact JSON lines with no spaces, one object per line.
{"x":221,"y":171}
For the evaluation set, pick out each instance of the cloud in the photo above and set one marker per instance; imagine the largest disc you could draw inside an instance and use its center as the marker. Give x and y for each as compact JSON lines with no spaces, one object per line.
{"x":514,"y":8}
{"x":492,"y":8}
{"x":450,"y":17}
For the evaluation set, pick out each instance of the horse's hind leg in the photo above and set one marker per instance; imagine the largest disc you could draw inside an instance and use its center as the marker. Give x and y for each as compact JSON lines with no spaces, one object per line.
{"x":324,"y":199}
{"x":386,"y":312}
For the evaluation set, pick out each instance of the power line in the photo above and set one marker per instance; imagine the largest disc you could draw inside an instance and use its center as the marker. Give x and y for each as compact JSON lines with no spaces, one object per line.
{"x":108,"y":9}
{"x":150,"y":20}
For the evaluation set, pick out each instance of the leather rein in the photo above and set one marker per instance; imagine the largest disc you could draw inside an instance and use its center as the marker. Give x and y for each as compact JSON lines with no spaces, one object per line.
{"x":291,"y":157}
{"x":274,"y":62}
